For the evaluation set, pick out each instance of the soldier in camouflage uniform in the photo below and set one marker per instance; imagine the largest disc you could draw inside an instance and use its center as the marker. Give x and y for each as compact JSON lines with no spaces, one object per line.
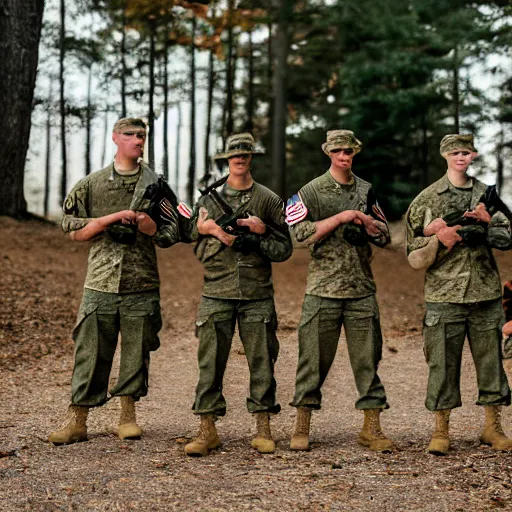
{"x":462,"y":291}
{"x":121,"y":292}
{"x":337,"y":214}
{"x":238,"y":288}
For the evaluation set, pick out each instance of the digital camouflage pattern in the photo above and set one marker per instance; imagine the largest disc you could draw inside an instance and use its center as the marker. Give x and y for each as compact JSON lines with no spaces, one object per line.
{"x":339,"y":139}
{"x":446,"y":327}
{"x":464,"y":274}
{"x":257,"y":324}
{"x":456,"y":141}
{"x":239,"y":144}
{"x":337,"y":270}
{"x":114,"y":267}
{"x":101,"y":317}
{"x":230,"y":274}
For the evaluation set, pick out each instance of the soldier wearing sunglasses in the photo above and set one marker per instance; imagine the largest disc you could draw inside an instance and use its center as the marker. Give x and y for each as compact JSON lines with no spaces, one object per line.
{"x":337,"y":215}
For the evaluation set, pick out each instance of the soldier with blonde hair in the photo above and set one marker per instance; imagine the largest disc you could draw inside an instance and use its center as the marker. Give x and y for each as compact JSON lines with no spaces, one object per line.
{"x":452,"y":227}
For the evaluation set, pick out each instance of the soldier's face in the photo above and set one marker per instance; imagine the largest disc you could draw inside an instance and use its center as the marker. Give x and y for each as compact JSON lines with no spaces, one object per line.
{"x":240,"y":164}
{"x":130,"y":142}
{"x":341,"y":158}
{"x":459,"y":159}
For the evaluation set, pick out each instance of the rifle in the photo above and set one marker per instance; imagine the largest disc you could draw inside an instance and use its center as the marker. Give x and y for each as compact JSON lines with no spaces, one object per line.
{"x":355,"y":234}
{"x":472,"y":232}
{"x":245,"y":241}
{"x":162,"y":209}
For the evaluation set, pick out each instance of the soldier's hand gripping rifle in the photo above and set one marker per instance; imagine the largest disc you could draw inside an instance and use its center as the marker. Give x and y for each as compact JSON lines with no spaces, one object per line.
{"x":245,"y":241}
{"x":356,"y":234}
{"x":472,"y":231}
{"x":162,"y":209}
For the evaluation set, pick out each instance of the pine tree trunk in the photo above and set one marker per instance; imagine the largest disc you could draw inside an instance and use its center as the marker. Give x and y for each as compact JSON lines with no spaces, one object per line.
{"x":123,"y":61}
{"x":192,"y":161}
{"x":88,"y":124}
{"x":455,"y":93}
{"x":165,"y":135}
{"x":62,"y":104}
{"x":284,"y":9}
{"x":250,"y":96}
{"x":20,"y":26}
{"x":229,"y":73}
{"x":177,"y":156}
{"x":211,"y":84}
{"x":151,"y":116}
{"x":47,"y":173}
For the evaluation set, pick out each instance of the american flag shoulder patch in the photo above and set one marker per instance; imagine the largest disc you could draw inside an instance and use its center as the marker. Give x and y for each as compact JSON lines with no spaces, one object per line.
{"x":296,"y":210}
{"x":184,"y":210}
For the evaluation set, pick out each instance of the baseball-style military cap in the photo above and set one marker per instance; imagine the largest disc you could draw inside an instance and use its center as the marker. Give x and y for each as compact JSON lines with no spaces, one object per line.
{"x":239,"y":144}
{"x":129,"y":124}
{"x":341,"y":139}
{"x":456,"y":141}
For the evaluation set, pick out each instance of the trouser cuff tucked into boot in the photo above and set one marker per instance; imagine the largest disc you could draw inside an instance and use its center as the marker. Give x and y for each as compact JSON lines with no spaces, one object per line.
{"x":263,"y":441}
{"x":440,"y":442}
{"x":206,"y":440}
{"x":371,"y":435}
{"x":492,"y":433}
{"x":300,"y":438}
{"x":128,"y":428}
{"x":75,"y":428}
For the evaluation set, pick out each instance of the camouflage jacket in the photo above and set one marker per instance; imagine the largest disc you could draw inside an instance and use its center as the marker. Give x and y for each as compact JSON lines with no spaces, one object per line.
{"x":230,"y":274}
{"x":114,"y":267}
{"x":464,"y":274}
{"x":337,"y":269}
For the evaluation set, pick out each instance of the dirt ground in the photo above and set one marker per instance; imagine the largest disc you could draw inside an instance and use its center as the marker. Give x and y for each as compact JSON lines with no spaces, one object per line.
{"x":41,"y":278}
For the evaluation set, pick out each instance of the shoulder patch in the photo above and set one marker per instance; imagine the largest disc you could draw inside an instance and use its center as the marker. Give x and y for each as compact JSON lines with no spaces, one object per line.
{"x":296,"y":210}
{"x":184,"y":210}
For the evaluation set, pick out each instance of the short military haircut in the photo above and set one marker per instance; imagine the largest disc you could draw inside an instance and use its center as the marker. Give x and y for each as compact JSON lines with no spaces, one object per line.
{"x":129,"y":122}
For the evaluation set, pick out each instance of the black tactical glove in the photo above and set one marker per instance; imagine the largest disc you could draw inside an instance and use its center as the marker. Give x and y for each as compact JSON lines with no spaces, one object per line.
{"x":355,"y":235}
{"x":122,"y":233}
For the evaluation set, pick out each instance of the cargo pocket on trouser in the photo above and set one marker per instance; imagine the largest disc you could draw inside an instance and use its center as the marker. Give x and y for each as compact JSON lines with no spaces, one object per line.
{"x":485,"y":342}
{"x":215,"y":332}
{"x":95,"y":338}
{"x":139,"y":325}
{"x":364,"y":343}
{"x":309,"y":377}
{"x":444,"y":337}
{"x":261,"y":346}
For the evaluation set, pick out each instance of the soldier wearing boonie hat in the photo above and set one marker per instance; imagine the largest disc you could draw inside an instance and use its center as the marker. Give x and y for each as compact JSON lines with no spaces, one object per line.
{"x":462,"y":289}
{"x":121,"y":291}
{"x":337,"y":215}
{"x":238,"y":289}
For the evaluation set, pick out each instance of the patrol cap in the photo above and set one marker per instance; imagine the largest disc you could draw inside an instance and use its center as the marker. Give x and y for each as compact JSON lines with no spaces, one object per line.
{"x":339,"y":139}
{"x":239,"y":144}
{"x":456,"y":141}
{"x":129,"y":124}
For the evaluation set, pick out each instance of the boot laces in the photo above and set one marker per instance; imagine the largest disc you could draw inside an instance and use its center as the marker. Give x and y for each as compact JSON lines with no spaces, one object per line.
{"x":303,"y":422}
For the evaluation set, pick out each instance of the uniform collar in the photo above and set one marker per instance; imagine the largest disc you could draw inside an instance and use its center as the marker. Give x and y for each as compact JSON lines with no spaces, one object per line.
{"x":444,"y":184}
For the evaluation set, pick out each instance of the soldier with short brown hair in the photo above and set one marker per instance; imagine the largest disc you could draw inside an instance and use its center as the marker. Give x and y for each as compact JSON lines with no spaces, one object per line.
{"x":109,"y":209}
{"x":337,"y":215}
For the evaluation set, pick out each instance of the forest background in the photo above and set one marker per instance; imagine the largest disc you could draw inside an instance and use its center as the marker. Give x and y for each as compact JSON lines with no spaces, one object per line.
{"x":400,"y":74}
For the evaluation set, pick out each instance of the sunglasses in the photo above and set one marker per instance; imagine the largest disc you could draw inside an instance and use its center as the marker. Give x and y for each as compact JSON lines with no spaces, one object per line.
{"x":346,"y":151}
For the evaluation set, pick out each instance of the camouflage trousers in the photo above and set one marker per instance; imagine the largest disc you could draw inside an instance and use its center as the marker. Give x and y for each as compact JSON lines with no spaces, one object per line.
{"x":319,"y":333}
{"x":446,"y":326}
{"x":257,"y":324}
{"x":101,"y":318}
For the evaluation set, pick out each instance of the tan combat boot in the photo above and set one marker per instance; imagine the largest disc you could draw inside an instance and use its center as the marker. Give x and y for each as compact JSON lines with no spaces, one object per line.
{"x":493,"y":432}
{"x":371,"y":435}
{"x":75,"y":429}
{"x":440,"y":442}
{"x":206,"y":440}
{"x":128,"y":428}
{"x":263,"y":441}
{"x":300,"y":438}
